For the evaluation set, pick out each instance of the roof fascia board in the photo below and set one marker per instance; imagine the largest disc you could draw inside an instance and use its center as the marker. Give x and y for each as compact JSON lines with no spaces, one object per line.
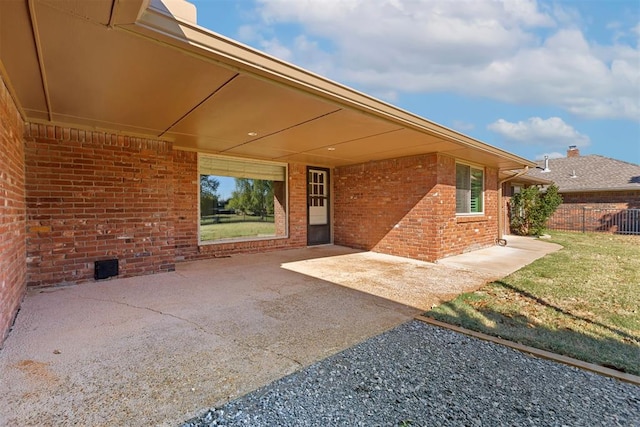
{"x":593,"y":190}
{"x":186,"y":36}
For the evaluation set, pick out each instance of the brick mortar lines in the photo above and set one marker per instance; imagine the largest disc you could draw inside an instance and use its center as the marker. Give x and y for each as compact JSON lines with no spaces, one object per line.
{"x":12,"y":211}
{"x":96,"y":195}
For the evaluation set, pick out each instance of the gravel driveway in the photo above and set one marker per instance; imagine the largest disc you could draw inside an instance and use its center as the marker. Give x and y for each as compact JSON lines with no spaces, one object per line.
{"x":421,"y":375}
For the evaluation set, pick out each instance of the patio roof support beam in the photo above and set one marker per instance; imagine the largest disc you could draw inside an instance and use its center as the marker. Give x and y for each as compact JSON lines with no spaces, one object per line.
{"x":36,"y":39}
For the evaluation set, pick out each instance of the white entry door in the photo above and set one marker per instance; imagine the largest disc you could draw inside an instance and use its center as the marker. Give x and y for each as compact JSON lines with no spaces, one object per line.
{"x":318,"y":206}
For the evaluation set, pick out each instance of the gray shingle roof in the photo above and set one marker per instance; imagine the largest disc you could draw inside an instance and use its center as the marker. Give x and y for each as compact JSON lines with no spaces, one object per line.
{"x":592,"y":173}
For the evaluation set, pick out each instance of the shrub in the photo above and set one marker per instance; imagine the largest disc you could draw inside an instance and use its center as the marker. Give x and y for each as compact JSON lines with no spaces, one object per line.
{"x":530,"y":209}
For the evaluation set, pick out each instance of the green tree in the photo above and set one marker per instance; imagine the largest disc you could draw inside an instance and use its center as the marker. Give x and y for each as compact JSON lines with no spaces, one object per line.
{"x":530,"y":209}
{"x":262,"y":197}
{"x":254,"y":196}
{"x":208,"y":194}
{"x":240,"y":197}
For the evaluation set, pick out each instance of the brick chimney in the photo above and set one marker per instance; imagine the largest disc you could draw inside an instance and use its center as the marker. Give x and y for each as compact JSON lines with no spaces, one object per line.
{"x":573,"y":151}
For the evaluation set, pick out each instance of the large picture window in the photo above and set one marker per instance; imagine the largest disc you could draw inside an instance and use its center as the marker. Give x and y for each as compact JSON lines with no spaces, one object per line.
{"x":469,"y":189}
{"x":241,"y":199}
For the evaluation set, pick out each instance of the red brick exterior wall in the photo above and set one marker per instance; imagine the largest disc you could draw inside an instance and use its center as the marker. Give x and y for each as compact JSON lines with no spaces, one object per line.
{"x":387,"y":205}
{"x":406,"y":207}
{"x":603,"y":199}
{"x":94,"y":196}
{"x":185,"y":202}
{"x":13,"y":267}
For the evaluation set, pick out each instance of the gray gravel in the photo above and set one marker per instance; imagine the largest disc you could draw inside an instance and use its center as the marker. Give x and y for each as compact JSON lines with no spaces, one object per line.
{"x":421,"y":375}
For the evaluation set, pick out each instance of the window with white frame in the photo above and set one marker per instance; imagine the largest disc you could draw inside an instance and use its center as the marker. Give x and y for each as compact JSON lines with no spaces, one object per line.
{"x":241,"y":199}
{"x":469,"y":189}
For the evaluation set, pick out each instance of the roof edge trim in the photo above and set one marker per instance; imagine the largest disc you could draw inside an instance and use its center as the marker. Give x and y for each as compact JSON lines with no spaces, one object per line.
{"x":591,"y":190}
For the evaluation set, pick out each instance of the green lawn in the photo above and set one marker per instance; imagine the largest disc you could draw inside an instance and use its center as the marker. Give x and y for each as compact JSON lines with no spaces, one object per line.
{"x":582,"y":301}
{"x":235,"y":226}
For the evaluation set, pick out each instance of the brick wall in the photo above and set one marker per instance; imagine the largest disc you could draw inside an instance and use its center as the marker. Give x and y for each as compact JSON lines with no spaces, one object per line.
{"x":185,"y":202}
{"x":406,"y":207}
{"x":13,"y":266}
{"x":387,"y":206}
{"x":603,"y":199}
{"x":94,"y":196}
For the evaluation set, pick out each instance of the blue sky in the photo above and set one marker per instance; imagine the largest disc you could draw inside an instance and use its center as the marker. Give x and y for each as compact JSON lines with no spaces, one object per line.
{"x":531,"y":77}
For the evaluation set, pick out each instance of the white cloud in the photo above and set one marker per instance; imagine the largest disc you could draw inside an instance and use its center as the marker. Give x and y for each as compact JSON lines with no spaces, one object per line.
{"x":274,"y":47}
{"x":565,"y":14}
{"x":248,"y":33}
{"x":302,"y":50}
{"x":513,"y":51}
{"x":549,"y":133}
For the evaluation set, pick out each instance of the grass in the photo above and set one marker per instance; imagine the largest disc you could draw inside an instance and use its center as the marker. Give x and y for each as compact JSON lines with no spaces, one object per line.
{"x":234,"y":218}
{"x":581,"y":301}
{"x":236,"y":226}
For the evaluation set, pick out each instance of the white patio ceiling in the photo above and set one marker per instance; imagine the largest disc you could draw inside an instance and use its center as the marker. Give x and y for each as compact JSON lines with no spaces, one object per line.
{"x":130,"y":66}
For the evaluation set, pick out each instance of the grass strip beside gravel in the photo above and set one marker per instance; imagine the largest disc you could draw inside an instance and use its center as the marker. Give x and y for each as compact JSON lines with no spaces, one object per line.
{"x":582,"y":302}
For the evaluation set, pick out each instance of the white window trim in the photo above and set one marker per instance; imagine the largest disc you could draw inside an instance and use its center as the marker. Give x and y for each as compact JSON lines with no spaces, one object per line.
{"x":245,"y":239}
{"x":484,"y":174}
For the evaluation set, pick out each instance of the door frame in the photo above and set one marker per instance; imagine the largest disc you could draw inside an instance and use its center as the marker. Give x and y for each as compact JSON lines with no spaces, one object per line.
{"x":327,"y":228}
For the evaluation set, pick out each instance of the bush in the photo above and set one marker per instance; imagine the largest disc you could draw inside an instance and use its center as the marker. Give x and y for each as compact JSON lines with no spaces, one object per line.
{"x":530,"y":210}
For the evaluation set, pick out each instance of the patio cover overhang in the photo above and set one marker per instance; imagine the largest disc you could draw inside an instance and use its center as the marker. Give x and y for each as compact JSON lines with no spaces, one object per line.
{"x":143,"y":67}
{"x":522,"y":178}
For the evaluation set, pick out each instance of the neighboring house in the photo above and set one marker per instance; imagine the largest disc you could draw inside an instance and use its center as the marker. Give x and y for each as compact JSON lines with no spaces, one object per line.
{"x":597,"y":191}
{"x":110,"y":111}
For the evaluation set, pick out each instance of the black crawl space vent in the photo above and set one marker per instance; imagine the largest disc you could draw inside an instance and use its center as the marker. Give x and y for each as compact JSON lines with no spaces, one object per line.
{"x":105,"y":269}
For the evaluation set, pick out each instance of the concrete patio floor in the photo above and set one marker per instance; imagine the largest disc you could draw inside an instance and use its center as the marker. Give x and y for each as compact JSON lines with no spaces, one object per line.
{"x":157,"y":350}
